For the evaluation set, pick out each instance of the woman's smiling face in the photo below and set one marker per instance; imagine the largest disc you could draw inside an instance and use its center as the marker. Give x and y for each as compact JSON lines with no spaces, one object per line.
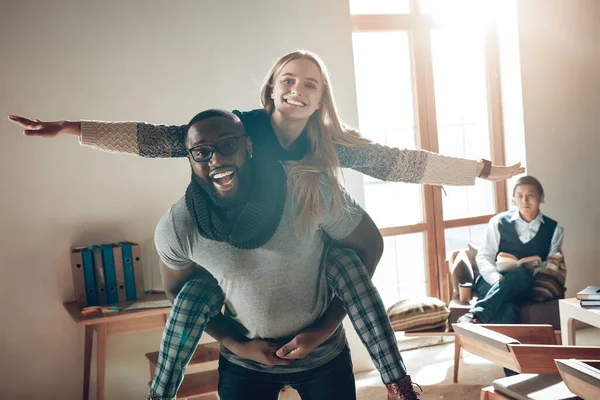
{"x":298,"y":89}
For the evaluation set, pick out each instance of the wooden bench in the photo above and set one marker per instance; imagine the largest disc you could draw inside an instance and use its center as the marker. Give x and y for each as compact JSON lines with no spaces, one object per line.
{"x":448,"y":331}
{"x":534,"y":353}
{"x":582,"y":377}
{"x":528,"y":349}
{"x":199,"y":384}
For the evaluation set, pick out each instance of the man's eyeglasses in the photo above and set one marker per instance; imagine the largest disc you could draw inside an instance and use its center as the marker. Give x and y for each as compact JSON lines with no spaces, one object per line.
{"x":204,"y":152}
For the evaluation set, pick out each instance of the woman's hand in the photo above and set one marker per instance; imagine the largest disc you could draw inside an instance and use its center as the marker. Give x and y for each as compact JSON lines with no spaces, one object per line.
{"x":502,"y":173}
{"x":46,"y":129}
{"x":303,"y":343}
{"x":261,"y":351}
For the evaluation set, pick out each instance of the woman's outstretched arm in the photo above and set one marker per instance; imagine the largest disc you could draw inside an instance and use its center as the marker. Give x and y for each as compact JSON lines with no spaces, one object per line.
{"x":137,"y":138}
{"x":418,"y":166}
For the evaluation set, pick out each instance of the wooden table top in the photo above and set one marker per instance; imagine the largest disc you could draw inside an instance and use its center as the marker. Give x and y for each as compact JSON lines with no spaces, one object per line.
{"x":100,"y":317}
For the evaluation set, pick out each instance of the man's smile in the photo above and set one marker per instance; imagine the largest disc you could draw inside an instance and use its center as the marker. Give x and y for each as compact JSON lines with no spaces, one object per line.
{"x":223,"y":179}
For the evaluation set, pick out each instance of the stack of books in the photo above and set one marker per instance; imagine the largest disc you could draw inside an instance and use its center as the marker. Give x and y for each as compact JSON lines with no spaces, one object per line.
{"x":589,"y":297}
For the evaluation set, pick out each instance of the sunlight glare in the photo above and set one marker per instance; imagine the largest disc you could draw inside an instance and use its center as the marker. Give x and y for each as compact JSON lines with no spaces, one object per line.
{"x":464,"y":15}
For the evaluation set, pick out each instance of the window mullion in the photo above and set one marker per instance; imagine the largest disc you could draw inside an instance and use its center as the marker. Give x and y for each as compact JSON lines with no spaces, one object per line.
{"x":427,"y":139}
{"x":492,"y":67}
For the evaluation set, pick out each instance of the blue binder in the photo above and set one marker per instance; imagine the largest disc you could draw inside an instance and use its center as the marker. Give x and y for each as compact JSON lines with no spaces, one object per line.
{"x":99,"y":271}
{"x":89,"y":277}
{"x":110,"y":277}
{"x":128,"y":271}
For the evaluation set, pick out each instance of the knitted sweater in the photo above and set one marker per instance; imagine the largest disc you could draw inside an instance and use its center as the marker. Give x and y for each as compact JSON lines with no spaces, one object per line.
{"x":381,"y":162}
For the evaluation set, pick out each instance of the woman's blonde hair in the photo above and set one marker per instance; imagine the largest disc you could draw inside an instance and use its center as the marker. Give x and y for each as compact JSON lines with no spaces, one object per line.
{"x":324,"y":130}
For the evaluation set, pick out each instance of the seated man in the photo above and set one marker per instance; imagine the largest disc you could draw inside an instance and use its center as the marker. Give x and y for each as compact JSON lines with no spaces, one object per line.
{"x":233,"y":240}
{"x":523,"y":232}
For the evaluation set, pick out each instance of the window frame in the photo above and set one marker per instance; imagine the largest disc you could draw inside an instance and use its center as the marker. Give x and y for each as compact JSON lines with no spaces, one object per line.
{"x":419,"y":27}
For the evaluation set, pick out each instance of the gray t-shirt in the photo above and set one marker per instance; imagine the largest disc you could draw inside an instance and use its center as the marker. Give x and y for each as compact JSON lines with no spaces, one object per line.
{"x":274,"y":291}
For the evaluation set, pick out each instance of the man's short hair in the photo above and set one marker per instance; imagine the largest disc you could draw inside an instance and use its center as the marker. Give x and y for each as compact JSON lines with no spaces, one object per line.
{"x":213,"y":112}
{"x":530,"y":180}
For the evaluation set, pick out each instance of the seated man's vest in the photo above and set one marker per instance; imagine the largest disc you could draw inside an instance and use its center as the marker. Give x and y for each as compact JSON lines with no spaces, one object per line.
{"x":538,"y":246}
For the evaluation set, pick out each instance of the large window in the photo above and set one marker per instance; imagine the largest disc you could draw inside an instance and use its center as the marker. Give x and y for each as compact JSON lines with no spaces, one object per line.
{"x":427,"y":78}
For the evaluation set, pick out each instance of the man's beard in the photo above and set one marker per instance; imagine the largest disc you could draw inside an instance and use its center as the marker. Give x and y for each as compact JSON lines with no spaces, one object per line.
{"x":243,"y":175}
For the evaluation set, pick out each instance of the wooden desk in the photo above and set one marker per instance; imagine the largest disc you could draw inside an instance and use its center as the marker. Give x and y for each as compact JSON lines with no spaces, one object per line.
{"x":110,"y":324}
{"x":570,"y":312}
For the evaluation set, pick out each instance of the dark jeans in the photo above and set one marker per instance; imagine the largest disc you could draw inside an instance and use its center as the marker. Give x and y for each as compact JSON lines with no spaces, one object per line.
{"x":499,"y":303}
{"x":333,"y":380}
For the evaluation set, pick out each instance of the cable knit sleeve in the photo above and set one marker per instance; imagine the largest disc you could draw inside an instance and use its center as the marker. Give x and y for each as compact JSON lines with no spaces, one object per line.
{"x":137,"y":138}
{"x":410,"y":166}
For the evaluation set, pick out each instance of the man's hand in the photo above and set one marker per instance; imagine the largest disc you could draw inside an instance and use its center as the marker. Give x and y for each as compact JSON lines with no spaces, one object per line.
{"x":261,"y":351}
{"x":46,"y":129}
{"x":302,"y":344}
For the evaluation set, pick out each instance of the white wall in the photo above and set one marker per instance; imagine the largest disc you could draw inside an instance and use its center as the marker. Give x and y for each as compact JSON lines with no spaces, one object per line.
{"x":560,"y":64}
{"x":113,"y":60}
